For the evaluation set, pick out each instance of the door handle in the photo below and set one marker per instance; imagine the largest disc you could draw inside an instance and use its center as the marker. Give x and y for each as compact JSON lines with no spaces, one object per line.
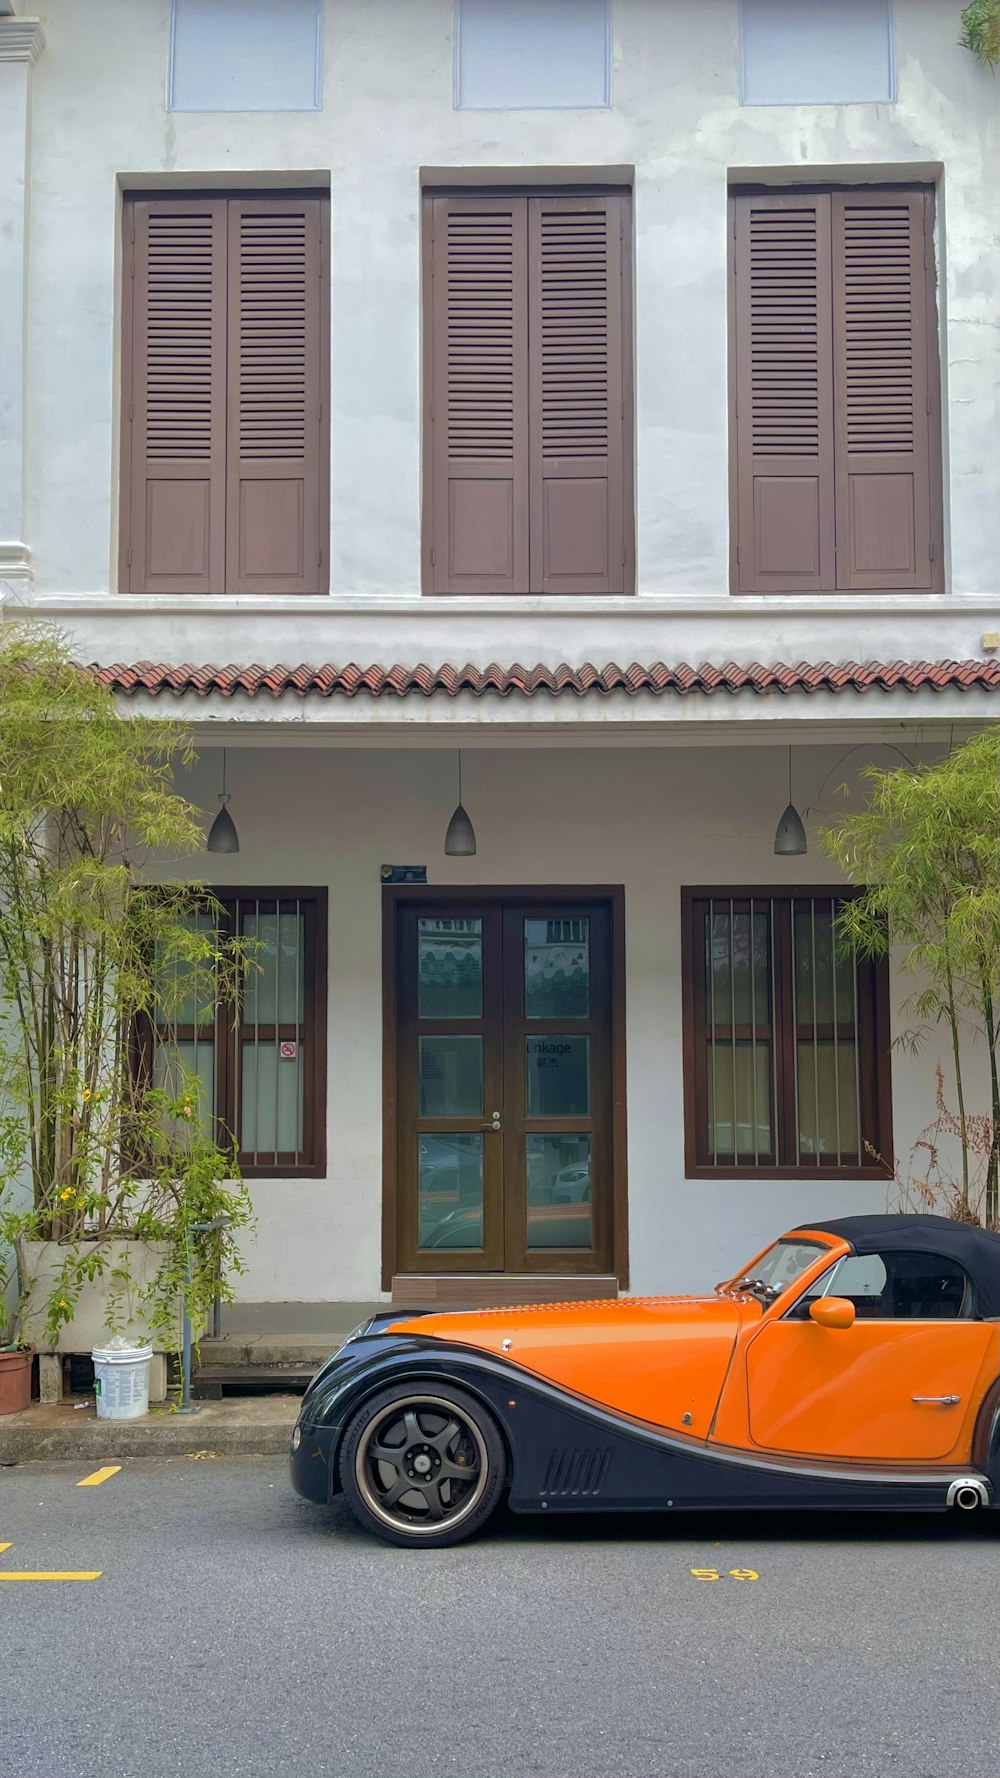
{"x":495,"y":1125}
{"x":941,"y":1401}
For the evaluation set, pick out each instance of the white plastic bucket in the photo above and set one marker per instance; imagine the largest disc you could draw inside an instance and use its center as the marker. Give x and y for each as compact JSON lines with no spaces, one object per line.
{"x":121,"y":1382}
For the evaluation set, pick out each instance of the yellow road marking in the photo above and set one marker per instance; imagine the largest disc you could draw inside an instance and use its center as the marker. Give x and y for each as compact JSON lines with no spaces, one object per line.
{"x":54,"y":1574}
{"x":5,"y":1546}
{"x":99,"y":1476}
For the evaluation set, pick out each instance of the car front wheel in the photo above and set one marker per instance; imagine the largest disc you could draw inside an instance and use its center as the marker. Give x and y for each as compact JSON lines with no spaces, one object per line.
{"x":422,"y":1467}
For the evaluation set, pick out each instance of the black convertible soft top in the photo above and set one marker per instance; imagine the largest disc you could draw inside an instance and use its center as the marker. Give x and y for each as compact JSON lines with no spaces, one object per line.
{"x":976,"y":1249}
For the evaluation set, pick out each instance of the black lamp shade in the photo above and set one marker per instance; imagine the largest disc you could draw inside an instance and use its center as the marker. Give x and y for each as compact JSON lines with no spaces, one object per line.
{"x":790,"y":835}
{"x":460,"y":839}
{"x":223,"y":836}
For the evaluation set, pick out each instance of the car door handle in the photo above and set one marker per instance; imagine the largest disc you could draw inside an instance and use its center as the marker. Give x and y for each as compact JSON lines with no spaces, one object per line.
{"x":941,"y":1401}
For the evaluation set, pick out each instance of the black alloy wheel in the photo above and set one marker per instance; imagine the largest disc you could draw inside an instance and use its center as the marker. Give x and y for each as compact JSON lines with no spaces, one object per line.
{"x":422,"y":1467}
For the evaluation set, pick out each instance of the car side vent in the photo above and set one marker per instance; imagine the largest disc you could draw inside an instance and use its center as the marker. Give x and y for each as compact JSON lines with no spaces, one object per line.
{"x":580,"y":1471}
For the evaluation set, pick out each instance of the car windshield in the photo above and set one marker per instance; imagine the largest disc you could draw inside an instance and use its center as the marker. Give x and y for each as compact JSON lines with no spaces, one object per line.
{"x":776,"y":1269}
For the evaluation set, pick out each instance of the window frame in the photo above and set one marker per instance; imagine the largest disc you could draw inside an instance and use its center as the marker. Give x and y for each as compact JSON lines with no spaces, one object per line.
{"x":889,"y":179}
{"x":291,"y":188}
{"x":873,"y":1044}
{"x":246,"y":110}
{"x":968,"y":1308}
{"x":227,"y":1035}
{"x":776,"y":104}
{"x":603,"y":105}
{"x":526,"y":182}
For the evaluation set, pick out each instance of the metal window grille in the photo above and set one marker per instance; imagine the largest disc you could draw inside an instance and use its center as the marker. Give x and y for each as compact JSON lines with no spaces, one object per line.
{"x":788,"y":1065}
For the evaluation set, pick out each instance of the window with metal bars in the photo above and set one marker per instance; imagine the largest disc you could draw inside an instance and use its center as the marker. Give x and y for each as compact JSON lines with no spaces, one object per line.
{"x":785,"y":1036}
{"x":261,"y":1065}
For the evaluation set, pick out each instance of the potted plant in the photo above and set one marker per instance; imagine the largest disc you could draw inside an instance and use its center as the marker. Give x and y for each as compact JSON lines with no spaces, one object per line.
{"x":15,"y":1352}
{"x":109,"y":1157}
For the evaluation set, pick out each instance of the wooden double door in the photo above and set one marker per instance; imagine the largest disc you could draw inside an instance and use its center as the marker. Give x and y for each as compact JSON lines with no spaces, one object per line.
{"x":504,"y":1086}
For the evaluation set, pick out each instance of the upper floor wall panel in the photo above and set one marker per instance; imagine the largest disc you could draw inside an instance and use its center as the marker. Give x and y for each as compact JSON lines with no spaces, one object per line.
{"x":387,"y":89}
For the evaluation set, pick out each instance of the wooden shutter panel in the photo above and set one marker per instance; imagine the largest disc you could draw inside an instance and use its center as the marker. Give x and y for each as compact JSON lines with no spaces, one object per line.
{"x":784,"y":393}
{"x":883,"y":324}
{"x":576,"y":399}
{"x":174,"y":444}
{"x":477,"y":395}
{"x":276,"y":498}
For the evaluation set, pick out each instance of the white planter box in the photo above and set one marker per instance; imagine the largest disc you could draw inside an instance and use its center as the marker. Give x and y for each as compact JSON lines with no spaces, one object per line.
{"x":89,"y":1325}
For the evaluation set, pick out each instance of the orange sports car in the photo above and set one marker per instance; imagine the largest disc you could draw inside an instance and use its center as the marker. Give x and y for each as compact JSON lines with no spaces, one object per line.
{"x":854,"y":1364}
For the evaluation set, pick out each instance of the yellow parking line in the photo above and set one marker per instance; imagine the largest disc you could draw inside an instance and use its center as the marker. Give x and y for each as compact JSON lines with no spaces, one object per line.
{"x":54,"y":1574}
{"x":5,"y":1546}
{"x":99,"y":1476}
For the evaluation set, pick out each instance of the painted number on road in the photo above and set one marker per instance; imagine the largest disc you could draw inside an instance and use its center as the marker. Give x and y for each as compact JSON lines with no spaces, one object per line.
{"x":734,"y":1574}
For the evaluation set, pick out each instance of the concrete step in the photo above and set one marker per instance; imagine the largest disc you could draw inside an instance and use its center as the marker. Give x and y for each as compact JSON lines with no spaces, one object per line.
{"x":261,"y":1351}
{"x":218,"y":1381}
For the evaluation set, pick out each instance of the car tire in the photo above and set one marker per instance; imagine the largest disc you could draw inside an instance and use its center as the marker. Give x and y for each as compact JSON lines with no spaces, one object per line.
{"x":423,"y":1466}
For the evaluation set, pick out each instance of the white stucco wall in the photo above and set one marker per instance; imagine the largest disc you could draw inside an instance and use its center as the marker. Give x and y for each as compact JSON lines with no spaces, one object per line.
{"x":98,"y":117}
{"x":652,"y":821}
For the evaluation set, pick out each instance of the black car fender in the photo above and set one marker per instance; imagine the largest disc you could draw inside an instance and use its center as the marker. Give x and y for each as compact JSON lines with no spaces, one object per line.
{"x":363,"y":1369}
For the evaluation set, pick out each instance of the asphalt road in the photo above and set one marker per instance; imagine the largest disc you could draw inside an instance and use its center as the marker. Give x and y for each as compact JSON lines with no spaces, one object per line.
{"x":237,"y":1632}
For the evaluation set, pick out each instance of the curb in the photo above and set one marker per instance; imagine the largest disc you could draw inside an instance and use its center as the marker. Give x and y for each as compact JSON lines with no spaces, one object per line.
{"x":220,"y":1428}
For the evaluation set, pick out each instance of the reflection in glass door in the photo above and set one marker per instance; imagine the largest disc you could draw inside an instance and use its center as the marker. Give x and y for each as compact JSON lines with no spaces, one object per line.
{"x":504,"y":1087}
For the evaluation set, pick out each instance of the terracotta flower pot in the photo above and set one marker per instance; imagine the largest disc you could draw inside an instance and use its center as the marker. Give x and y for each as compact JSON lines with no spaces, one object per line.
{"x":15,"y":1382}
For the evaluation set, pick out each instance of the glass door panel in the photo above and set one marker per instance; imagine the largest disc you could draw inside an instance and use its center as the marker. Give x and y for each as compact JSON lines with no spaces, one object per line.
{"x":503,"y":1107}
{"x":557,"y":1087}
{"x":449,"y":1086}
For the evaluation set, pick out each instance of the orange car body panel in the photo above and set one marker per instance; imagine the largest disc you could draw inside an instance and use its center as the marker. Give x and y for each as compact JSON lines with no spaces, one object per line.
{"x":654,"y":1358}
{"x":725,"y":1370}
{"x":849,"y":1392}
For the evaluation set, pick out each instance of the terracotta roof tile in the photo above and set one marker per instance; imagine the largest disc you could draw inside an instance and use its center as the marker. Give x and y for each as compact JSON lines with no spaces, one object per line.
{"x":329,"y":681}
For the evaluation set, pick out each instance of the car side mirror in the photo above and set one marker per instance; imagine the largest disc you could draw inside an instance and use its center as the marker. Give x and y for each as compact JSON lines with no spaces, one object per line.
{"x":832,"y":1311}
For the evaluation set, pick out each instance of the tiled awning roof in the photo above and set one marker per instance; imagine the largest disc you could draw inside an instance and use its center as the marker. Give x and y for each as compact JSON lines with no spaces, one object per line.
{"x":517,"y":681}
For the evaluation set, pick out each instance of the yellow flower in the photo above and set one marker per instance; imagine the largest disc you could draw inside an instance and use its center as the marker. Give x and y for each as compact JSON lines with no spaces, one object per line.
{"x":68,"y":1192}
{"x":86,"y":1094}
{"x":63,"y":1304}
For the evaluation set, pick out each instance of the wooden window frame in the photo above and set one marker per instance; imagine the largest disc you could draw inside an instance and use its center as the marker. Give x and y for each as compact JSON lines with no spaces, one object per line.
{"x":394,"y":897}
{"x":227,"y":1036}
{"x":221,"y":194}
{"x":873,"y":1041}
{"x":527,"y":182}
{"x":935,"y":415}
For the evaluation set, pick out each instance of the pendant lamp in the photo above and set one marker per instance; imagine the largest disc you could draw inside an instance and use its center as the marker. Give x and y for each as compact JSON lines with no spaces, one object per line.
{"x":790,"y":835}
{"x":222,"y":836}
{"x":460,"y":839}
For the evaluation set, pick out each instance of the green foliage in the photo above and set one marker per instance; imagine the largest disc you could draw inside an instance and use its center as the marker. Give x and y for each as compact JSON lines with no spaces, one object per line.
{"x":981,"y":31}
{"x":926,"y":849}
{"x":88,"y":954}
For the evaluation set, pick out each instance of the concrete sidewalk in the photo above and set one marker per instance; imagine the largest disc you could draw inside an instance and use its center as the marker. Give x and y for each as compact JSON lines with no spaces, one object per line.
{"x":254,"y":1426}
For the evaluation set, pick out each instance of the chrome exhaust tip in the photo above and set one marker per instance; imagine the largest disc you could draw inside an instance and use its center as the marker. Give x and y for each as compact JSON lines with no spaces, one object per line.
{"x":967,"y":1494}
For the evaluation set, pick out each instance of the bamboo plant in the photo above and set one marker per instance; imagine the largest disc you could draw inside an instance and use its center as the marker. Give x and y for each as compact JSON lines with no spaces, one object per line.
{"x":102,"y":1134}
{"x":926,"y":849}
{"x":981,"y":31}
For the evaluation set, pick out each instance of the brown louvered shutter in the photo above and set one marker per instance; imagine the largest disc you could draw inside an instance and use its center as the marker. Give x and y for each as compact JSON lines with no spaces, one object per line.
{"x":785,"y":522}
{"x":174,"y":442}
{"x":275,"y":478}
{"x":476,"y":256}
{"x":884,"y":339}
{"x":576,"y":394}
